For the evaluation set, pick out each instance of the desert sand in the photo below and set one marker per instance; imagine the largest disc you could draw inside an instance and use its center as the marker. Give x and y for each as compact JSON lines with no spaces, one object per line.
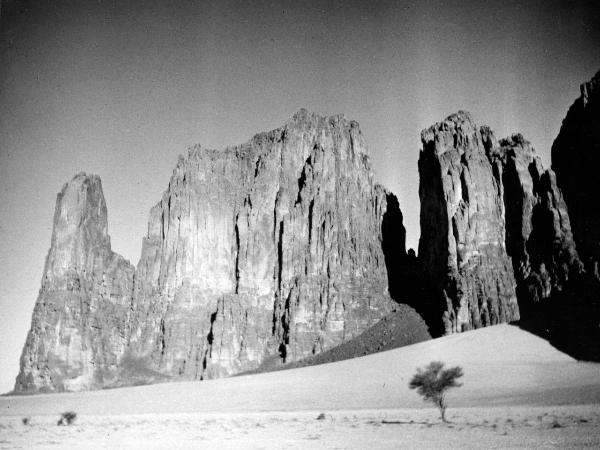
{"x":518,"y":392}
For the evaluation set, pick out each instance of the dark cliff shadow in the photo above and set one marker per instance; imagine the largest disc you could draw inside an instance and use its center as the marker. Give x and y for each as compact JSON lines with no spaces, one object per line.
{"x":406,"y":281}
{"x":570,"y":319}
{"x":575,"y":161}
{"x":393,"y":245}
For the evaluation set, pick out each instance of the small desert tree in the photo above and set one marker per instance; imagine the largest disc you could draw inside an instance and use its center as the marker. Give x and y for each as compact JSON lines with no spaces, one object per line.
{"x":433,"y":381}
{"x":67,"y":418}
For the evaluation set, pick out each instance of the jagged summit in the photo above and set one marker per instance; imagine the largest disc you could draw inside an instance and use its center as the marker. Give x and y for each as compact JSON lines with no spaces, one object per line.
{"x":83,"y":176}
{"x":514,"y":145}
{"x":454,"y":132}
{"x":303,"y":116}
{"x":517,"y":139}
{"x":304,"y":122}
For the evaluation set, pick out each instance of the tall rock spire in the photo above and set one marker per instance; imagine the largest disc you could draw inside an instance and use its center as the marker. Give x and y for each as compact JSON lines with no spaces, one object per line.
{"x":496,"y":240}
{"x":79,"y":327}
{"x":462,"y":246}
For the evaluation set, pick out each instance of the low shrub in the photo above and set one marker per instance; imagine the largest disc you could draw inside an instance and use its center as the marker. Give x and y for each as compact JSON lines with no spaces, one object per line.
{"x":67,"y":418}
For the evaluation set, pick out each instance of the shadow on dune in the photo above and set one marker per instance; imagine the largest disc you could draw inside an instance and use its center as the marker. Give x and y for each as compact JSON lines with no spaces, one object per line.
{"x":570,"y":320}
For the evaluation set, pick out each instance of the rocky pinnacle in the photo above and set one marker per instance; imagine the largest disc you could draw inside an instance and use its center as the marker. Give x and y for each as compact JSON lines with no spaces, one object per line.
{"x":80,"y":321}
{"x":463,"y":238}
{"x":494,"y":227}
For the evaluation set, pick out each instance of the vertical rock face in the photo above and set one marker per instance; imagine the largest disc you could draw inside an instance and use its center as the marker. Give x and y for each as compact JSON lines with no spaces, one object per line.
{"x":79,"y":327}
{"x":575,"y":159}
{"x":462,"y":245}
{"x":495,"y":227}
{"x":268,"y":250}
{"x":263,"y":253}
{"x":538,"y":231}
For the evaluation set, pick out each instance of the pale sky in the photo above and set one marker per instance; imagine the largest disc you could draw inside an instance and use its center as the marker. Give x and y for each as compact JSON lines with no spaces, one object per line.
{"x":119,"y":89}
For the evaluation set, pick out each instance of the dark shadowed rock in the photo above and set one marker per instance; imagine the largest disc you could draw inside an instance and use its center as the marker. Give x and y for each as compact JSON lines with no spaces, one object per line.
{"x":484,"y":204}
{"x":575,"y":159}
{"x":462,"y":246}
{"x":538,"y":231}
{"x":79,"y":327}
{"x":573,"y":320}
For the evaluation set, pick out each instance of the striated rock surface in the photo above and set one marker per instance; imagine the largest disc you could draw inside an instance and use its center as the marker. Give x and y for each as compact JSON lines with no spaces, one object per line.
{"x":575,"y":159}
{"x":538,"y":231}
{"x":261,"y":254}
{"x":267,"y":250}
{"x":80,"y":326}
{"x":462,"y":246}
{"x":496,"y":236}
{"x":403,"y":326}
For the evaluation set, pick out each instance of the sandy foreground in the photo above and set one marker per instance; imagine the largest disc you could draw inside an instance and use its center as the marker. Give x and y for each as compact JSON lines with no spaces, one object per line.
{"x":519,"y":392}
{"x":500,"y":427}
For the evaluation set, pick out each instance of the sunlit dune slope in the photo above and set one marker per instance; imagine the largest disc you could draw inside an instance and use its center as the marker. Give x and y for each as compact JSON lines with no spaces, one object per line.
{"x":503,"y":365}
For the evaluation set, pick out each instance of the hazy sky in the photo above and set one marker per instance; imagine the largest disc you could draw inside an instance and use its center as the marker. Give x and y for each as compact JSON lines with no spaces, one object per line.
{"x":120,"y":88}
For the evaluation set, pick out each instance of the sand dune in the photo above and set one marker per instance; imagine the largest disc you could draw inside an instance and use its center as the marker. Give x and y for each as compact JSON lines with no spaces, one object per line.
{"x":505,"y":367}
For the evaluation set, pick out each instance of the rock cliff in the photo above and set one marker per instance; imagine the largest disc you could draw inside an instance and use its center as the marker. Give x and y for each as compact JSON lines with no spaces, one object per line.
{"x":575,"y":319}
{"x":575,"y":159}
{"x":462,"y":245}
{"x":496,"y":238}
{"x":271,"y":249}
{"x":538,"y":232}
{"x":263,"y":253}
{"x":80,"y":326}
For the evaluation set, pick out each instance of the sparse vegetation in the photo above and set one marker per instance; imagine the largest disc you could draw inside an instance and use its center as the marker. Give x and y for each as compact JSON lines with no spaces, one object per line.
{"x":67,"y":418}
{"x":433,"y":381}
